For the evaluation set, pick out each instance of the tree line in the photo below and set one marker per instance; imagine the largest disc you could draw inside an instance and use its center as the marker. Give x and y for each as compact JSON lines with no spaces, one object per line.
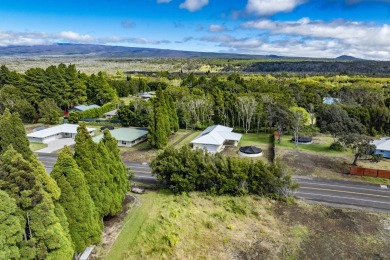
{"x":253,"y":103}
{"x":45,"y":93}
{"x":53,"y":216}
{"x":185,"y":170}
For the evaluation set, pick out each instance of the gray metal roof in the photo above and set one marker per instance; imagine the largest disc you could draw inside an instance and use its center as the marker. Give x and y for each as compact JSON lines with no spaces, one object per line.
{"x":216,"y":135}
{"x":382,"y":144}
{"x":64,"y":128}
{"x":124,"y":134}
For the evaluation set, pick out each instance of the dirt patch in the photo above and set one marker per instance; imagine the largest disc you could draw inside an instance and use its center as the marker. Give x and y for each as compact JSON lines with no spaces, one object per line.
{"x":113,"y":226}
{"x":142,"y":154}
{"x":337,"y":233}
{"x":316,"y":165}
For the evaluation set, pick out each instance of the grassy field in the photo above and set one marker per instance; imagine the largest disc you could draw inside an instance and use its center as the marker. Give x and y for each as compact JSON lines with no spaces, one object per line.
{"x":188,"y":138}
{"x":37,"y":146}
{"x":320,"y":145}
{"x":198,"y":226}
{"x":255,"y":139}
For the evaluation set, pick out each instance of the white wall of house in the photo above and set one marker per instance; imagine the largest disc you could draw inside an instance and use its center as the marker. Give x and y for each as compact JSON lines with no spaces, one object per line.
{"x":52,"y":138}
{"x":209,"y":147}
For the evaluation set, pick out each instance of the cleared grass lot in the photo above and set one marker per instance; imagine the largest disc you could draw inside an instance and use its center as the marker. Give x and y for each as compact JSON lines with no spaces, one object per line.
{"x":198,"y":226}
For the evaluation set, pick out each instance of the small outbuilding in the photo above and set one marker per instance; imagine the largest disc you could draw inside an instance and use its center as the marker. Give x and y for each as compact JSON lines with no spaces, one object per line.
{"x":303,"y":140}
{"x":250,"y":151}
{"x":126,"y":137}
{"x":57,"y":132}
{"x":110,"y":114}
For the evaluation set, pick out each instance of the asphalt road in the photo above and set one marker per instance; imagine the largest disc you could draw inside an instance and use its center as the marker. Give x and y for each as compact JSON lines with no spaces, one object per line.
{"x":334,"y":192}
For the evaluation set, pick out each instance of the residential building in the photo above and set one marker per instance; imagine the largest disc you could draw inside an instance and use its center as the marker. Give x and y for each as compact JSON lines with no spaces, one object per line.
{"x":53,"y":133}
{"x":126,"y":136}
{"x":215,"y":138}
{"x":382,"y":147}
{"x":82,"y":108}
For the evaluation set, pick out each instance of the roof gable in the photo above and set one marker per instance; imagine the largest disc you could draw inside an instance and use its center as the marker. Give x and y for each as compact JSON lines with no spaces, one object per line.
{"x":216,"y":135}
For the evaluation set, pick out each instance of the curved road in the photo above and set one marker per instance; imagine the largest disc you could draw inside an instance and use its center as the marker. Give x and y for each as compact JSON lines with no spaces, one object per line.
{"x":335,"y":192}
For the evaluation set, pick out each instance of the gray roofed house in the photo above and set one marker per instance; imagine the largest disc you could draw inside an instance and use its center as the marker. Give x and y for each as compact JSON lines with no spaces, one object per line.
{"x":215,"y":138}
{"x":382,"y":147}
{"x":83,"y":108}
{"x":126,"y":136}
{"x":53,"y":133}
{"x":111,"y":114}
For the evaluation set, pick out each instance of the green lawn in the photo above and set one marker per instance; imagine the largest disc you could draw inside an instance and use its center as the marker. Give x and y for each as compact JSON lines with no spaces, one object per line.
{"x":254,"y":139}
{"x":37,"y":146}
{"x":186,"y":141}
{"x":320,"y":145}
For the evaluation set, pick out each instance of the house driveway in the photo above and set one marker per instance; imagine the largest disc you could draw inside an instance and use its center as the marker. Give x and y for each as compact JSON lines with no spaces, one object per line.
{"x":57,"y":145}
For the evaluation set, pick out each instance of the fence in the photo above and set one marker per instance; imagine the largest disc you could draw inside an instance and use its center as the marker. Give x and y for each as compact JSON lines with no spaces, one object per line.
{"x":369,"y":172}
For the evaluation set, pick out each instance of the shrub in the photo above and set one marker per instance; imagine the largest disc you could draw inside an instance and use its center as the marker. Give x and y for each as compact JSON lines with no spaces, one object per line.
{"x":337,"y":146}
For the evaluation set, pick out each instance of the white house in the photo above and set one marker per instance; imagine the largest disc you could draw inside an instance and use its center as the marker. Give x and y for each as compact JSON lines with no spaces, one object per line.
{"x":53,"y":133}
{"x":382,"y":147}
{"x":127,"y":137}
{"x":215,"y":138}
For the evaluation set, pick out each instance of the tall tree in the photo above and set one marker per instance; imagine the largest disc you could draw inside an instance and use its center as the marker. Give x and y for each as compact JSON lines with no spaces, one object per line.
{"x":246,"y":108}
{"x":12,"y":132}
{"x":93,"y":166}
{"x":11,"y":227}
{"x":159,"y":124}
{"x":46,"y":235}
{"x":49,"y":111}
{"x":84,"y":222}
{"x":117,"y":170}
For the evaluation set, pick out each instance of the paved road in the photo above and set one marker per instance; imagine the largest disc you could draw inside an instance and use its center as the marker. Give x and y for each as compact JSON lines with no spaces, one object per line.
{"x":335,"y":192}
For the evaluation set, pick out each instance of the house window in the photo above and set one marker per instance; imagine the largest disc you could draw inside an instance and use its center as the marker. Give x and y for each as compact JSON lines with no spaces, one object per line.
{"x":382,"y":151}
{"x":123,"y":142}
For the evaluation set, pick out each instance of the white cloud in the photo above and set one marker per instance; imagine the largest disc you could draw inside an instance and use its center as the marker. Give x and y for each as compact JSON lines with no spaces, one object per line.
{"x":349,"y":32}
{"x":8,"y":38}
{"x":216,"y":28}
{"x":163,"y":1}
{"x":75,"y":37}
{"x":194,"y":5}
{"x":270,"y":7}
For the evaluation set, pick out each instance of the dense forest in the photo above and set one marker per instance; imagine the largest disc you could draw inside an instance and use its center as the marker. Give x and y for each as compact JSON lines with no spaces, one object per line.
{"x":247,"y":102}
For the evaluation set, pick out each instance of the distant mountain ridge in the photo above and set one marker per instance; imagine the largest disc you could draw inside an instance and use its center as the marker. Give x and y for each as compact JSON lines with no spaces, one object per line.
{"x":107,"y":51}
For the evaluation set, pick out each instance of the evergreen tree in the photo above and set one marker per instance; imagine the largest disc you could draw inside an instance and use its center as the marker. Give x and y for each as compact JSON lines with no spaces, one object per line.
{"x":11,"y":227}
{"x":12,"y":132}
{"x":46,"y":234}
{"x":84,"y":221}
{"x":159,"y":122}
{"x":49,"y":111}
{"x":117,"y":170}
{"x":92,"y":165}
{"x":172,"y":111}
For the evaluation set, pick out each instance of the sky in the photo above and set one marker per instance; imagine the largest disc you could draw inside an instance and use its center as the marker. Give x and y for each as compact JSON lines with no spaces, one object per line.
{"x":303,"y":28}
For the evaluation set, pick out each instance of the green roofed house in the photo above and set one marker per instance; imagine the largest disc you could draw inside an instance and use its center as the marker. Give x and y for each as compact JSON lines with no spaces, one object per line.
{"x":126,"y":136}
